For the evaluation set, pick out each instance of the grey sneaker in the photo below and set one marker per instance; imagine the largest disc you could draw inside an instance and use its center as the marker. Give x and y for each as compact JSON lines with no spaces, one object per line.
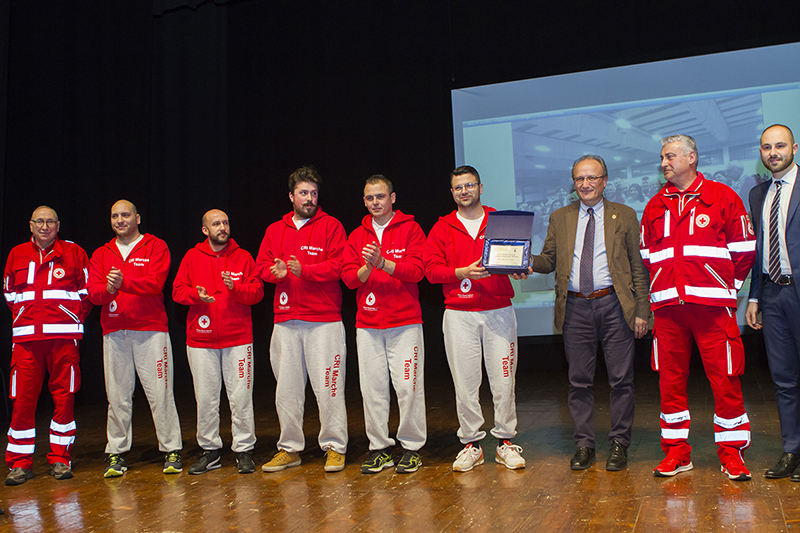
{"x":18,"y":476}
{"x":173,"y":463}
{"x":409,"y":463}
{"x":116,"y":465}
{"x":60,"y":471}
{"x":244,"y":460}
{"x":208,"y":461}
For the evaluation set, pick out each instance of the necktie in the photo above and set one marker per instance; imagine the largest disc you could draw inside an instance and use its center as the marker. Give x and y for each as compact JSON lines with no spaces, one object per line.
{"x":587,"y":257}
{"x":774,"y":244}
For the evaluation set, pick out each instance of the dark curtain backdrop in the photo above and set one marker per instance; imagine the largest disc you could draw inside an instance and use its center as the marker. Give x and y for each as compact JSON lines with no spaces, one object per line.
{"x":185,"y":105}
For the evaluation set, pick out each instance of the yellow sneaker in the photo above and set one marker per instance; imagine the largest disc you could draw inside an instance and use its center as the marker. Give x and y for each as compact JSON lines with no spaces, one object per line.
{"x":281,"y":461}
{"x":334,"y":461}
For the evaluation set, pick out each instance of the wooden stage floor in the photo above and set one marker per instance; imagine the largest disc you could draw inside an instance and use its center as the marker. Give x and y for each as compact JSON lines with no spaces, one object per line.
{"x":545,"y":496}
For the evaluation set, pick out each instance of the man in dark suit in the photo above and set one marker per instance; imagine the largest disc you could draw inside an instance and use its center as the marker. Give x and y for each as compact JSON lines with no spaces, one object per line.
{"x":601,"y":294}
{"x":773,"y":290}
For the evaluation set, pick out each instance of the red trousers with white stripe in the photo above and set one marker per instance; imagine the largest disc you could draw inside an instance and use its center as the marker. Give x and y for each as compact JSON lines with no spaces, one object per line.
{"x":716,"y":333}
{"x":29,"y":362}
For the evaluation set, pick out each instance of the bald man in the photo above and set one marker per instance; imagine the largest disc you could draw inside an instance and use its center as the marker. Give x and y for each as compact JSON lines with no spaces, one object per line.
{"x":219,"y":283}
{"x":45,"y":288}
{"x":126,"y":277}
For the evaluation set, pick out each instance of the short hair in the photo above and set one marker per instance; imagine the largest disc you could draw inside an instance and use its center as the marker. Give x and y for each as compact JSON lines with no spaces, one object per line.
{"x":305,"y":173}
{"x":380,"y":178}
{"x":787,"y":128}
{"x":464,"y":169}
{"x":46,"y":207}
{"x":687,"y":144}
{"x":590,"y":157}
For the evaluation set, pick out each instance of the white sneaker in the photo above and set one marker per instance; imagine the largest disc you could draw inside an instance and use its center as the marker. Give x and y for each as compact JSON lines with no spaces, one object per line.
{"x":468,"y":458}
{"x":508,"y":454}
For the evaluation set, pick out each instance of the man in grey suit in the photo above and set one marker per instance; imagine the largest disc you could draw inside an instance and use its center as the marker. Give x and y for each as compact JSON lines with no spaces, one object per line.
{"x":773,"y":290}
{"x":601,"y":295}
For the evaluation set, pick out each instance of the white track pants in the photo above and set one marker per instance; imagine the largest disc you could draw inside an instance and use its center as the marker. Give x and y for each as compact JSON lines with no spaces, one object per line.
{"x":210,"y":367}
{"x":397,"y":354}
{"x":301,"y":351}
{"x":465,"y":332}
{"x":148,"y":354}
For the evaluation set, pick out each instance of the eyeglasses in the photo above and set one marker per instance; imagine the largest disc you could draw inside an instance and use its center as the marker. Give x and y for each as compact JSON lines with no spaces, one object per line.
{"x":39,"y":223}
{"x":589,"y":179}
{"x":469,"y":186}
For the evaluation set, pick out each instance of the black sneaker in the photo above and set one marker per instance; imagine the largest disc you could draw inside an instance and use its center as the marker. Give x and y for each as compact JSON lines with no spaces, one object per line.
{"x":377,"y":461}
{"x":208,"y":461}
{"x":244,"y":460}
{"x":173,"y":463}
{"x":409,"y":463}
{"x":116,"y":465}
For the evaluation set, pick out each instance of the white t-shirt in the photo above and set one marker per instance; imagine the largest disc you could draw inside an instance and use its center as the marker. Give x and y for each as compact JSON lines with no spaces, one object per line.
{"x":473,"y":226}
{"x":379,"y":229}
{"x":299,"y":223}
{"x":125,"y":249}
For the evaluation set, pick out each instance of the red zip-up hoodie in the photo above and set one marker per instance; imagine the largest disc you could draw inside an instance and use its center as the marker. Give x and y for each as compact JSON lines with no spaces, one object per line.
{"x":316,"y":295}
{"x":227,"y":321}
{"x":450,"y":246}
{"x":139,"y":304}
{"x":46,"y":291}
{"x":386,"y":301}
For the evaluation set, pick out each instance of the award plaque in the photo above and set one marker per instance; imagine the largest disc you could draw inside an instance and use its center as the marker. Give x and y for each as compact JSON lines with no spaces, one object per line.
{"x":507,"y":242}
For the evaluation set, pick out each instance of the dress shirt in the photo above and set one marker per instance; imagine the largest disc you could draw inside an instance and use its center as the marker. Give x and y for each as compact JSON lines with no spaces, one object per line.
{"x":601,"y":275}
{"x":786,"y":195}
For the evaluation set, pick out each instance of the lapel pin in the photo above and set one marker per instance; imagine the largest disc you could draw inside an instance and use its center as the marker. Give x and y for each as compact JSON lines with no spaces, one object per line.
{"x":614,"y":217}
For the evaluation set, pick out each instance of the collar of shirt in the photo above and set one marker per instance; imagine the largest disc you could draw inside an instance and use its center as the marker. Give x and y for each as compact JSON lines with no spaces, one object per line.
{"x":598,"y":209}
{"x":788,"y":179}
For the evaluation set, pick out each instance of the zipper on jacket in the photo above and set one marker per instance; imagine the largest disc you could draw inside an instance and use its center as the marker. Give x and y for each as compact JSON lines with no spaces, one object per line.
{"x":21,"y":309}
{"x":691,"y":221}
{"x":70,"y":313}
{"x":654,"y":278}
{"x":717,"y":276}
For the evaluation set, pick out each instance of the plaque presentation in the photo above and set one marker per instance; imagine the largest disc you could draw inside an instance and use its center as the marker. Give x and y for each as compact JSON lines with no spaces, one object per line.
{"x":507,"y":244}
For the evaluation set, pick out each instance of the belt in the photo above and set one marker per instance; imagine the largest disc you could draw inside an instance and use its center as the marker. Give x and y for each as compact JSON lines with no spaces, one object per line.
{"x":783,"y":280}
{"x":596,"y":294}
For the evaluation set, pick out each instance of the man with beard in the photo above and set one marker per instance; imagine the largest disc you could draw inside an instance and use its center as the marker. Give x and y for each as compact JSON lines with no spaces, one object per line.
{"x":302,"y":255}
{"x":126,"y":277}
{"x":383,"y":260}
{"x":45,"y":288}
{"x":774,"y":290}
{"x":698,"y":246}
{"x":479,"y":323}
{"x":219,"y":282}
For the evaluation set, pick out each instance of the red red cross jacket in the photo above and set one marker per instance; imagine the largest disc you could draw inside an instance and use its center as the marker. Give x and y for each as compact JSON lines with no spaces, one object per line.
{"x":316,"y":295}
{"x":139,"y":304}
{"x":450,"y":246}
{"x":46,"y":291}
{"x":227,"y":321}
{"x":698,"y":245}
{"x":386,"y":301}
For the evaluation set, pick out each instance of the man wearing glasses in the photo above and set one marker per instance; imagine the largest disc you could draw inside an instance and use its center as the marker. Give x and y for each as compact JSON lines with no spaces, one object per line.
{"x":45,"y":287}
{"x":601,"y":295}
{"x":478,"y":319}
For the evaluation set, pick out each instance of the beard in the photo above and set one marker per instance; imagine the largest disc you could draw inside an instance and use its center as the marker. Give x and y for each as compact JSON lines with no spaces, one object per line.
{"x":307,"y":210}
{"x":219,"y":239}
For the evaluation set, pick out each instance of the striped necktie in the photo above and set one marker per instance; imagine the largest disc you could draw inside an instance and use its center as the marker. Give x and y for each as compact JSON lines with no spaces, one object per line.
{"x":587,"y":257}
{"x":774,"y":242}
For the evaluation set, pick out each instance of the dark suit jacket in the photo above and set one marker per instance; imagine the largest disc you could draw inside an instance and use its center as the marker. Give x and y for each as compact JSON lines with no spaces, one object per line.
{"x":757,"y":195}
{"x":628,"y":275}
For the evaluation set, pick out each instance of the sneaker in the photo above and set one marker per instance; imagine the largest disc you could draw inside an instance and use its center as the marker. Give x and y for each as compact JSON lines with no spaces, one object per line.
{"x":508,"y":454}
{"x":18,"y":476}
{"x":334,"y":461}
{"x":173,"y":463}
{"x":671,"y":466}
{"x":116,"y":465}
{"x":244,"y":460}
{"x":410,"y":462}
{"x":60,"y":471}
{"x":736,"y":471}
{"x":208,"y":461}
{"x":377,"y":461}
{"x":468,"y":458}
{"x":281,"y":460}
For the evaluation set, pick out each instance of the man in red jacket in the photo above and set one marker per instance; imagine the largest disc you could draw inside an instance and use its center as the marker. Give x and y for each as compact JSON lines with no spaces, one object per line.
{"x":126,"y":277}
{"x":302,"y":255}
{"x":478,"y":319}
{"x":383,"y":260}
{"x":219,"y":282}
{"x":45,"y":288}
{"x":698,"y":245}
